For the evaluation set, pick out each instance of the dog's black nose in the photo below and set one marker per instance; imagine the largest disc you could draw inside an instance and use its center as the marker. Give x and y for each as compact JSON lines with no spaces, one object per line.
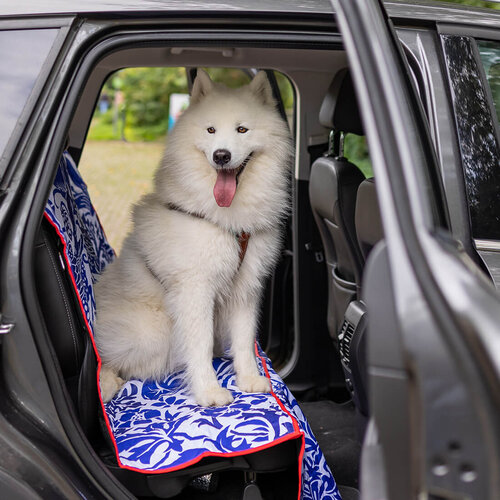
{"x":222,"y":156}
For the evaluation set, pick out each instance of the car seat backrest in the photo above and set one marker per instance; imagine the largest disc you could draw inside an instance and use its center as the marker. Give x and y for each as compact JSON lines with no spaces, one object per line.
{"x":339,"y":109}
{"x":368,"y":221}
{"x":56,"y":298}
{"x":61,"y":307}
{"x":65,"y":327}
{"x":333,"y":185}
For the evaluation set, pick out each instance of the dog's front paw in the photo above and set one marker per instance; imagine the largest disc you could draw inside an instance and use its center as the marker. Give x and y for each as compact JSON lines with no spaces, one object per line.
{"x":110,"y":384}
{"x":214,"y":396}
{"x":253,"y":383}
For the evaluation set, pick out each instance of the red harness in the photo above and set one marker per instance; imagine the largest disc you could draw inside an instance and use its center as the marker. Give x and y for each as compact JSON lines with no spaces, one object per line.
{"x":243,"y":242}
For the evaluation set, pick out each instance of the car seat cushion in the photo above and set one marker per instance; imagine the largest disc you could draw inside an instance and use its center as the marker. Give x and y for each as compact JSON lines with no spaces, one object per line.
{"x":156,"y":426}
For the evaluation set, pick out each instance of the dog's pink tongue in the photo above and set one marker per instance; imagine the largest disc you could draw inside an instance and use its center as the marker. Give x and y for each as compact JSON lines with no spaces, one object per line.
{"x":225,"y":187}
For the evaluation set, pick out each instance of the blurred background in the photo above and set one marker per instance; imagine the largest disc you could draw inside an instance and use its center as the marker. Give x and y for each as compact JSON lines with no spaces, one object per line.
{"x":135,"y":110}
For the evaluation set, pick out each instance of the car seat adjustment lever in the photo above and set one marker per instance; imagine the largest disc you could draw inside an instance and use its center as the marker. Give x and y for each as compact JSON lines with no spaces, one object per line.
{"x":318,"y":253}
{"x":251,"y":491}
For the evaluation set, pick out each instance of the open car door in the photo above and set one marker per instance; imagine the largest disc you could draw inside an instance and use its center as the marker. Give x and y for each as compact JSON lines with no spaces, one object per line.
{"x":433,"y":317}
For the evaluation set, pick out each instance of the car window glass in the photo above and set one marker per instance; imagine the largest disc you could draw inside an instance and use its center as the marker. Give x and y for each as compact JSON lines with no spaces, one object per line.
{"x":490,"y":57}
{"x":356,"y":151}
{"x":478,"y":141}
{"x":231,"y":77}
{"x":135,"y":111}
{"x":287,"y":97}
{"x":22,"y":53}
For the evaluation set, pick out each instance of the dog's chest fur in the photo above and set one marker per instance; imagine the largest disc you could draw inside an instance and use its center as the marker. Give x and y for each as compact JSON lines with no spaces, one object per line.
{"x":188,"y":250}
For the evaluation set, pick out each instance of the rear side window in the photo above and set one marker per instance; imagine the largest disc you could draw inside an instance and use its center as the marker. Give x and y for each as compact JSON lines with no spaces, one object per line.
{"x":22,"y":54}
{"x":135,"y":111}
{"x":477,"y":127}
{"x":490,"y":58}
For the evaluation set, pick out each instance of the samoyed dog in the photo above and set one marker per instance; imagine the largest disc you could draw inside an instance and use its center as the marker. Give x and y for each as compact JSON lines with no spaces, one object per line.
{"x":188,"y":282}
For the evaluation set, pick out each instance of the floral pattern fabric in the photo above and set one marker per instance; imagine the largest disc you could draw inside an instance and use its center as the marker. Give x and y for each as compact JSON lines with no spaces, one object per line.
{"x":156,"y":426}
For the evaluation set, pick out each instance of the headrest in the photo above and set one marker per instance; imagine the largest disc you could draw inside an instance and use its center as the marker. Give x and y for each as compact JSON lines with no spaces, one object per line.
{"x":367,"y":219}
{"x":339,"y":110}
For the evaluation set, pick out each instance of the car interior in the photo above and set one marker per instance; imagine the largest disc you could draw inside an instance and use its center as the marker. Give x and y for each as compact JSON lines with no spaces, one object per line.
{"x":313,"y":323}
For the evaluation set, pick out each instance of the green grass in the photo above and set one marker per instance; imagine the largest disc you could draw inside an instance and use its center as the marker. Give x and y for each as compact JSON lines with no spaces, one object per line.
{"x":117,"y":174}
{"x":356,"y":151}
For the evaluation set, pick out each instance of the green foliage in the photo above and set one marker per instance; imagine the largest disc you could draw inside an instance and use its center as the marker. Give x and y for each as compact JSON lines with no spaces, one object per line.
{"x":475,"y":3}
{"x":286,"y":91}
{"x":142,"y":113}
{"x":139,"y":100}
{"x":101,"y":128}
{"x":147,"y":92}
{"x":231,"y":77}
{"x":356,"y":151}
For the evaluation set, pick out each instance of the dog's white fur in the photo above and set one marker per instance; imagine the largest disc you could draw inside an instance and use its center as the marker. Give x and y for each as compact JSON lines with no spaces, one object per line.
{"x":176,"y":294}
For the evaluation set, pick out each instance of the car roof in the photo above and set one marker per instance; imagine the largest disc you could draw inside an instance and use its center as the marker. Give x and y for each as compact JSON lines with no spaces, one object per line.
{"x":422,"y":10}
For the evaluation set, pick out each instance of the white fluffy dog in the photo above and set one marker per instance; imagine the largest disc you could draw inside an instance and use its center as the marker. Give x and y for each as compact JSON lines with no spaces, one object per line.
{"x":183,"y":287}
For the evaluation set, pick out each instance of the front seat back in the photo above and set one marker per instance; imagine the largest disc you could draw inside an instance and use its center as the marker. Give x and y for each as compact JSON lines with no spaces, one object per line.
{"x":333,"y":185}
{"x":367,"y":219}
{"x":352,"y":336}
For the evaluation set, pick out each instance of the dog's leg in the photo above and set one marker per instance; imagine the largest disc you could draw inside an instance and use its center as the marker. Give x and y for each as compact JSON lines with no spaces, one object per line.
{"x":193,"y":309}
{"x":242,"y":324}
{"x":110,"y":383}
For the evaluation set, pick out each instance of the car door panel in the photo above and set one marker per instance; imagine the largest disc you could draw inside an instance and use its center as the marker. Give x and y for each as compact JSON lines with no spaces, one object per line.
{"x":444,"y":309}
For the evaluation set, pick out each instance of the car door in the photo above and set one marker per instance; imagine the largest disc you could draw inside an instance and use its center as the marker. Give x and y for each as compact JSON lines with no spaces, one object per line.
{"x":33,"y":462}
{"x":433,"y":334}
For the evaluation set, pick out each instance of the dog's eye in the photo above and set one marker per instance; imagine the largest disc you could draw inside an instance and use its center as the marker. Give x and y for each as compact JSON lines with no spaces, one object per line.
{"x":242,"y":130}
{"x":211,"y":130}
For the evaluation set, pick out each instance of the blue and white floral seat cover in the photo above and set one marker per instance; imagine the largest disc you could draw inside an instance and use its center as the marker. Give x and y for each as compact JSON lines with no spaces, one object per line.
{"x":157,"y":427}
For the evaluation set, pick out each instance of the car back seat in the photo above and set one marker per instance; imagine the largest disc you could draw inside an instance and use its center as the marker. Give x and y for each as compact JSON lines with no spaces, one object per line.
{"x":61,"y":308}
{"x":66,"y":328}
{"x":346,"y":210}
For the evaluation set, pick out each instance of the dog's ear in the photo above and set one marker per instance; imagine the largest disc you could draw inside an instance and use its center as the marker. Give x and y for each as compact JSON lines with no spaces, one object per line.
{"x":202,"y":86}
{"x":261,"y":88}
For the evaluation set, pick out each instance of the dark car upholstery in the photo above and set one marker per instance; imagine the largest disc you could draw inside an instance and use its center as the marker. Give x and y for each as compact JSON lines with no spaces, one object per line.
{"x":333,"y":186}
{"x":368,"y":221}
{"x":67,"y":331}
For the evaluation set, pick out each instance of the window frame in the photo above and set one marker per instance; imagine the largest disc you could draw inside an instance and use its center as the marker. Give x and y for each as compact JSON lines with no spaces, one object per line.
{"x":473,"y":34}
